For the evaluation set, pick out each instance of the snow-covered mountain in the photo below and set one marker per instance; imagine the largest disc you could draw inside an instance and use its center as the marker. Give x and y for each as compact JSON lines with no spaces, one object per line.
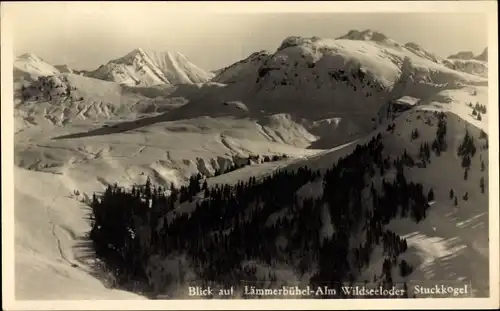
{"x":466,"y":61}
{"x":472,"y":66}
{"x":243,"y":69}
{"x":152,"y":68}
{"x":29,"y":67}
{"x":78,"y":133}
{"x":354,"y":75}
{"x":64,"y":68}
{"x":483,"y":56}
{"x":464,"y":55}
{"x":418,"y":50}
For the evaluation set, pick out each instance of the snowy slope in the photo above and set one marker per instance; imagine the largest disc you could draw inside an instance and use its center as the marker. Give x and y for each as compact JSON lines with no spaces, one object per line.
{"x":452,"y":242}
{"x":53,"y":259}
{"x":67,"y":98}
{"x":346,"y":71}
{"x":168,"y":152}
{"x":178,"y":69}
{"x":418,"y":50}
{"x":151,"y":68}
{"x":242,"y":70}
{"x":29,"y":67}
{"x":462,"y":61}
{"x":64,"y":68}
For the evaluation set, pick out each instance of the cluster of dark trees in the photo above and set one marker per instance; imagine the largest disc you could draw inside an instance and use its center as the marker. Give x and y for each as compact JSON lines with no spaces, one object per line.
{"x":266,"y":221}
{"x":355,"y":76}
{"x":477,"y":110}
{"x":466,"y":152}
{"x":44,"y":89}
{"x":484,"y":136}
{"x":425,"y":153}
{"x":235,"y":165}
{"x":439,"y":143}
{"x":414,"y":134}
{"x":391,"y":127}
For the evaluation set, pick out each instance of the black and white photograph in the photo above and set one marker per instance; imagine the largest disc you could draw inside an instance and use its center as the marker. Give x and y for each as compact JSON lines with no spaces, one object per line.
{"x":199,"y":152}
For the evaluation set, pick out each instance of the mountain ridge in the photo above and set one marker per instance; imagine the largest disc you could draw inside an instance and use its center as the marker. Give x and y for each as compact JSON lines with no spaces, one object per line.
{"x":140,"y":67}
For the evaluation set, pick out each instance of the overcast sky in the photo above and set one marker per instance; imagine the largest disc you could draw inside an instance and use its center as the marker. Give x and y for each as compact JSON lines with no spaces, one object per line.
{"x":86,"y":35}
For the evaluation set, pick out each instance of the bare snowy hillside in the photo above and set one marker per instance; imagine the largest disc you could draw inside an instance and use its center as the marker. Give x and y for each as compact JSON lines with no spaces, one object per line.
{"x":242,"y":70}
{"x":69,"y":98}
{"x":53,"y":258}
{"x":455,"y":232}
{"x":151,"y":68}
{"x":64,"y":68}
{"x":350,"y":79}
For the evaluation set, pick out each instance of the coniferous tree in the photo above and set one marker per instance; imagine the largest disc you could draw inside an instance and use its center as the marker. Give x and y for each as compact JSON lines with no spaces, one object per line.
{"x":406,"y":294}
{"x":405,"y":269}
{"x":467,"y":147}
{"x":482,"y":134}
{"x":430,"y":196}
{"x":455,"y":202}
{"x":415,"y":134}
{"x":206,"y":192}
{"x":482,"y":166}
{"x":481,"y":184}
{"x":466,"y":161}
{"x":452,"y":194}
{"x":147,"y":189}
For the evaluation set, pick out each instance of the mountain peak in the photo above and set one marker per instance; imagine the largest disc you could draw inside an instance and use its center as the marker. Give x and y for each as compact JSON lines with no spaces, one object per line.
{"x":141,"y":67}
{"x":130,"y":56}
{"x":412,"y":45}
{"x":138,"y":51}
{"x":365,"y":35}
{"x":483,"y":56}
{"x":30,"y":56}
{"x":28,"y":66}
{"x":260,"y":53}
{"x":464,"y":55}
{"x":296,"y":40}
{"x":419,"y":51}
{"x":64,"y":68}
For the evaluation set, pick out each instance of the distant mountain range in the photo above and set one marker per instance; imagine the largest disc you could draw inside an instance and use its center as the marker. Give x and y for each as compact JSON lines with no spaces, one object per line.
{"x":146,"y":68}
{"x":135,"y":68}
